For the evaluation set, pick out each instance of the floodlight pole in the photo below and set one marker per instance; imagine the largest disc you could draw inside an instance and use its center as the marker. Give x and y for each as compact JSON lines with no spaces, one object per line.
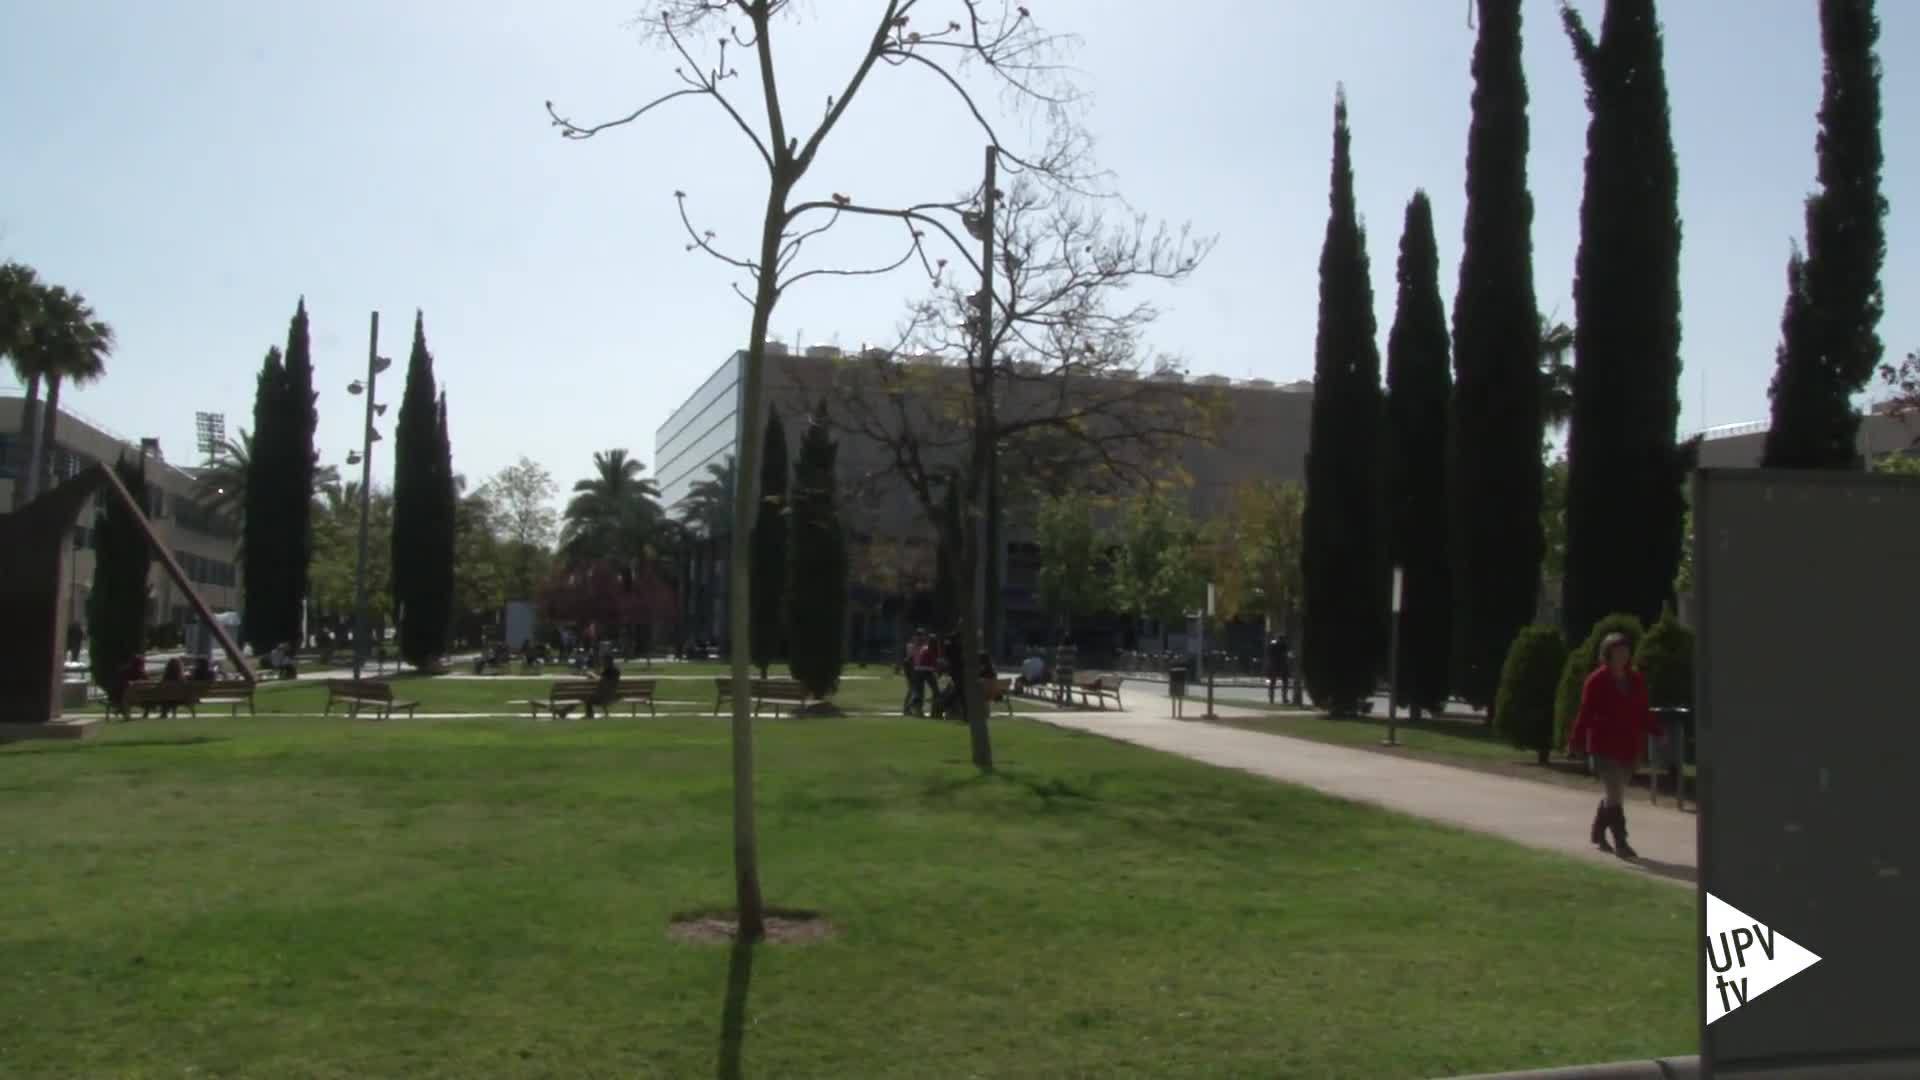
{"x":1393,"y":661}
{"x":366,"y":489}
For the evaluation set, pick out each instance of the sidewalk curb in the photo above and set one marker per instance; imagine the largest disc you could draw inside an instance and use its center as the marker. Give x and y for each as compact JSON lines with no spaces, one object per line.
{"x":1675,"y":1068}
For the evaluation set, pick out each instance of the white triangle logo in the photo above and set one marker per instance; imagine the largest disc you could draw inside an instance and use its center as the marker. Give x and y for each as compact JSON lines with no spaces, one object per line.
{"x":1745,"y":959}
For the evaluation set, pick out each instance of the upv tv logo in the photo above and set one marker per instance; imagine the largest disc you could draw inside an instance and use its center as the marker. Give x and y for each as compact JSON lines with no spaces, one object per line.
{"x":1745,"y":958}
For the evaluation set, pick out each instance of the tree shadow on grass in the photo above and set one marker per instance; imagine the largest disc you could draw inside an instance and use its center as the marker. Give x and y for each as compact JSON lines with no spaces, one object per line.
{"x":76,"y":746}
{"x":733,"y":1013}
{"x":1050,"y":790}
{"x":1674,"y":871}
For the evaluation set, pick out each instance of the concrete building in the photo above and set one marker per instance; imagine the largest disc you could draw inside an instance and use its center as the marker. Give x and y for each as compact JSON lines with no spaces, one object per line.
{"x":1738,"y":446}
{"x":1261,"y":434}
{"x":206,"y":546}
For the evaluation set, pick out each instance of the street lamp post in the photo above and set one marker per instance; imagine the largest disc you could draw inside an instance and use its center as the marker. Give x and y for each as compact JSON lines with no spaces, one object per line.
{"x":1393,"y":661}
{"x":364,"y":458}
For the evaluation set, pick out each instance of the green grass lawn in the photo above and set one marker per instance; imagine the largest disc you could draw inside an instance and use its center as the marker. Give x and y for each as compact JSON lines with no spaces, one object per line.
{"x":305,"y":898}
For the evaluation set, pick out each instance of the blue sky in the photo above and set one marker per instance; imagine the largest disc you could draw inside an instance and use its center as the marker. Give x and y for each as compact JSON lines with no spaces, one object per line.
{"x":195,"y":166}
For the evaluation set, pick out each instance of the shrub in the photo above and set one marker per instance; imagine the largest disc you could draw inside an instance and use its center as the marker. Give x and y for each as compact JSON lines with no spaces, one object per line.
{"x":1665,"y":657}
{"x":1524,"y":703}
{"x":1580,"y":664}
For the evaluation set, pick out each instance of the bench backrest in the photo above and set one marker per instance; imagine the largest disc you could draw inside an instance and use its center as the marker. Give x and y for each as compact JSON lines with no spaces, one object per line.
{"x":364,"y":690}
{"x":175,"y":692}
{"x":227,"y":686}
{"x":779,"y":688}
{"x":572,"y":690}
{"x":723,"y":685}
{"x":637,"y":687}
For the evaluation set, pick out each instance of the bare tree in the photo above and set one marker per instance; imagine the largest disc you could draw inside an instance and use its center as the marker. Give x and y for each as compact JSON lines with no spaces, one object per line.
{"x":963,"y":45}
{"x":1040,"y":378}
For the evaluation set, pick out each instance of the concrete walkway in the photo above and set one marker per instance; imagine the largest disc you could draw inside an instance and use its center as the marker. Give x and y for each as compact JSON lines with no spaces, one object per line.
{"x":1544,"y":816}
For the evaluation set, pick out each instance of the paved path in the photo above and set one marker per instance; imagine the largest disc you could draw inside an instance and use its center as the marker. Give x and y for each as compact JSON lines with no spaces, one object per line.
{"x":1544,"y":816}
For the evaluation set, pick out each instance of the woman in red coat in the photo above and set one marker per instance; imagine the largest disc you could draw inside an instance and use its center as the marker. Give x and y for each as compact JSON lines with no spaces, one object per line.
{"x":1614,"y":722}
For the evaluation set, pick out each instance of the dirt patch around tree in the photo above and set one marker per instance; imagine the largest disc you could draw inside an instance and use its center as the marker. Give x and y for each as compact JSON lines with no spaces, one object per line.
{"x":783,"y":927}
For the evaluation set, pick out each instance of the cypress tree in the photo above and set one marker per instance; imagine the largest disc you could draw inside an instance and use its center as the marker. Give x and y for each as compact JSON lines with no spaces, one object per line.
{"x":117,"y":603}
{"x":1341,"y":558}
{"x":1623,"y":521}
{"x":817,"y":594}
{"x":1419,"y":381}
{"x":437,"y":598}
{"x":1830,"y":341}
{"x":769,"y":589}
{"x":262,"y":532}
{"x":1496,"y":431}
{"x":416,"y":506}
{"x":294,"y":492}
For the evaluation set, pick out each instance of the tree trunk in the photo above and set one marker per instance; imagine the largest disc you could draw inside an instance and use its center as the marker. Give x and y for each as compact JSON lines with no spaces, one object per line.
{"x":27,"y":455}
{"x":746,"y":858}
{"x":49,"y":423}
{"x":965,"y":670}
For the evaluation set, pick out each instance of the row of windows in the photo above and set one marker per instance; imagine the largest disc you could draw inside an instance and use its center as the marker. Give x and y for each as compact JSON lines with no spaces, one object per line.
{"x":204,"y":571}
{"x":199,"y":569}
{"x":723,"y":384}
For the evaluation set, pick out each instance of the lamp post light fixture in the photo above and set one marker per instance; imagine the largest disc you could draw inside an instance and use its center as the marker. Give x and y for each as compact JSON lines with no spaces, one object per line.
{"x":364,"y":458}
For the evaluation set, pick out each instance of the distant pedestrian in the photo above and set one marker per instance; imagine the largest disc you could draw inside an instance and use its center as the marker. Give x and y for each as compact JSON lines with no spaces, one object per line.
{"x":1614,"y":721}
{"x":919,"y":667}
{"x":1279,"y":666}
{"x":76,"y":637}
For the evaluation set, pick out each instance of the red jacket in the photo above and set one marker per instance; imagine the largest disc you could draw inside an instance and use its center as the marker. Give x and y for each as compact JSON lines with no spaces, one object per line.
{"x":1613,"y":722}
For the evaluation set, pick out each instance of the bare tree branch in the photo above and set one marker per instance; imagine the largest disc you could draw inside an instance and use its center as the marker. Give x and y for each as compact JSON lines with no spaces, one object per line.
{"x":703,"y":240}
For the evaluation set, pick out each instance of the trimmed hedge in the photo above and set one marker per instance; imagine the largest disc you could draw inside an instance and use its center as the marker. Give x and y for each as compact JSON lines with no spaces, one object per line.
{"x":1580,"y":664}
{"x":1665,"y":657}
{"x":1523,"y":707}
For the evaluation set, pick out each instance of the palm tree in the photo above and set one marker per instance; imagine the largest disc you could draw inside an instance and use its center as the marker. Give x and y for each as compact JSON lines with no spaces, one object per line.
{"x":1556,"y":375}
{"x":67,"y":343}
{"x":614,"y":513}
{"x":223,"y":478}
{"x":20,"y":298}
{"x":707,"y":515}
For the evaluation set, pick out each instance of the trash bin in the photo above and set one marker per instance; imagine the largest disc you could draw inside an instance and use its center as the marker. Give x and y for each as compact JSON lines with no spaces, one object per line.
{"x":1672,"y":750}
{"x":1176,"y":682}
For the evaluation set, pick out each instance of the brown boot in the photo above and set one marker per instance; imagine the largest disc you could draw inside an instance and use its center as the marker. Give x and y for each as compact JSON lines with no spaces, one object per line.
{"x":1602,"y":818}
{"x":1618,"y":823}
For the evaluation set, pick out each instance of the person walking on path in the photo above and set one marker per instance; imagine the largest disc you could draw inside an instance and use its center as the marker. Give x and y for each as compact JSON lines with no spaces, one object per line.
{"x":920,"y":673}
{"x":1612,"y":726}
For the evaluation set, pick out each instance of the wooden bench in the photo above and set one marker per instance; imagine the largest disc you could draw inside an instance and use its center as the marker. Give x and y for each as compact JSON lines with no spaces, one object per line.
{"x":774,"y":692}
{"x":148,"y":695}
{"x":234,"y":692}
{"x":1097,"y":690}
{"x":365,"y":692}
{"x":569,"y":694}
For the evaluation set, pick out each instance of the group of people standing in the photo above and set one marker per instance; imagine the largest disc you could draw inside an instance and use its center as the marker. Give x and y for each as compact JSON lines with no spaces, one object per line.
{"x":928,"y":658}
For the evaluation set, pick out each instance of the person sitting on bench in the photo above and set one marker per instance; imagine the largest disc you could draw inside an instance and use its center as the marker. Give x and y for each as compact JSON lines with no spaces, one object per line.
{"x":603,"y":694}
{"x":1033,"y":672}
{"x":202,"y":669}
{"x":280,"y":662}
{"x":174,"y":672}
